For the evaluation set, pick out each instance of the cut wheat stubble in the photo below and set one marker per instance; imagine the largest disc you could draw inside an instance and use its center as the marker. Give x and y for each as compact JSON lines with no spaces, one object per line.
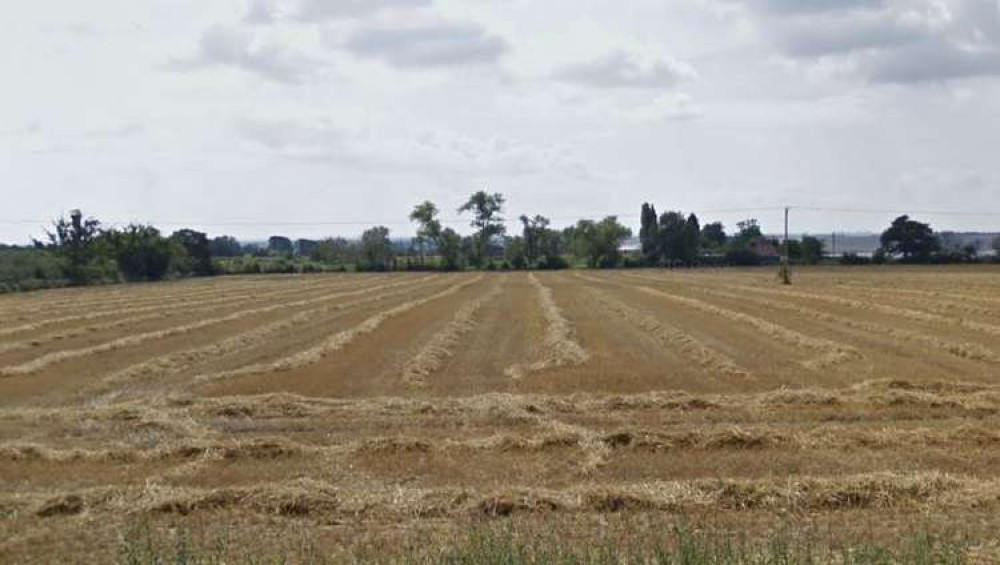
{"x":174,"y":363}
{"x":137,"y":339}
{"x":831,"y":353}
{"x":560,"y":344}
{"x":708,"y":358}
{"x":335,"y":342}
{"x":441,"y":346}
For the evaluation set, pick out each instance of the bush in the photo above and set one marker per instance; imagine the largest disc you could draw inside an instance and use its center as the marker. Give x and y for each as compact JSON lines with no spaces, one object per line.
{"x":742,"y":258}
{"x":854,"y":259}
{"x":553,"y":263}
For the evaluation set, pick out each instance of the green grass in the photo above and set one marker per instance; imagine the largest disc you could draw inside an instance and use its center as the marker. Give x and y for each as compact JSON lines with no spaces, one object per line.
{"x":501,"y":544}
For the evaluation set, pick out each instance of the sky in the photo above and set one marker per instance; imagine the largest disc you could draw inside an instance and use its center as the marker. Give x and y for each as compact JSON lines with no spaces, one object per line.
{"x":322,"y":117}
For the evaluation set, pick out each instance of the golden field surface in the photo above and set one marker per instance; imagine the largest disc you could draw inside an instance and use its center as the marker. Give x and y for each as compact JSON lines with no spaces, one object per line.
{"x":380,"y":409}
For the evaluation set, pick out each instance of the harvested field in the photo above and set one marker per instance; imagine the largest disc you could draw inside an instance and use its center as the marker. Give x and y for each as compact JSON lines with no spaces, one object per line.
{"x":378,"y":410}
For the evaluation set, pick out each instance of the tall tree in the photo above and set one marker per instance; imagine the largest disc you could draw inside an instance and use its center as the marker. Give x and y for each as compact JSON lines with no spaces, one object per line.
{"x":486,"y":209}
{"x":649,"y":234}
{"x":429,"y":230}
{"x":692,"y":239}
{"x":713,"y":235}
{"x":599,"y":242}
{"x":450,"y":248}
{"x":812,"y":250}
{"x":672,"y":236}
{"x":280,"y":245}
{"x":141,"y":252}
{"x":376,"y":249}
{"x":914,"y":240}
{"x":198,"y":250}
{"x":226,"y":246}
{"x":76,"y":239}
{"x":536,"y":238}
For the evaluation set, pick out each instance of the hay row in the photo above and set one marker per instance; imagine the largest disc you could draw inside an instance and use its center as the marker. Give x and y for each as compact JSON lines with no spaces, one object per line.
{"x":708,"y":358}
{"x":561,"y":348}
{"x":160,"y":313}
{"x":173,"y":363}
{"x":961,"y":350}
{"x":128,"y":341}
{"x":441,"y":345}
{"x":76,"y":332}
{"x":552,"y":435}
{"x":169,"y":306}
{"x":336,"y":342}
{"x":831,"y":353}
{"x":907,"y":313}
{"x":305,"y":498}
{"x":127,"y":298}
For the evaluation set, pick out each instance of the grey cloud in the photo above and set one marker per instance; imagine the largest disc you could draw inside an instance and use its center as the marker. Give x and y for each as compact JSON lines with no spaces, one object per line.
{"x":260,"y":12}
{"x":813,"y":6}
{"x":226,"y":47}
{"x":623,"y":70}
{"x":894,"y":42}
{"x":427,"y":43}
{"x":321,"y":141}
{"x":932,"y":60}
{"x":318,"y":10}
{"x":824,"y":35}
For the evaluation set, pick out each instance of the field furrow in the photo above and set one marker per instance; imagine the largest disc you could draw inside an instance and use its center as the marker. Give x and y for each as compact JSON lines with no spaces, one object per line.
{"x":560,"y":347}
{"x":670,"y":336}
{"x":442,"y":345}
{"x":830,"y":353}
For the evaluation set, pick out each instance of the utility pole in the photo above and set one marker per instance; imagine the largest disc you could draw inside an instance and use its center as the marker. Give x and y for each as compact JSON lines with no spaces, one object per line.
{"x":785,"y":271}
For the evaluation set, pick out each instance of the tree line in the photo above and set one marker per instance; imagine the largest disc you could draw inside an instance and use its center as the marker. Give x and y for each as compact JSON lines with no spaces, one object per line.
{"x":81,"y":250}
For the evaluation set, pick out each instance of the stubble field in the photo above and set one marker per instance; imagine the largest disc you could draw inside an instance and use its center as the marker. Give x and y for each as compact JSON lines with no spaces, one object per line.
{"x":376,"y":411}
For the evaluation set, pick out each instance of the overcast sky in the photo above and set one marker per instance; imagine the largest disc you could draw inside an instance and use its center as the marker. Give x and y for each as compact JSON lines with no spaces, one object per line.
{"x":222,"y":115}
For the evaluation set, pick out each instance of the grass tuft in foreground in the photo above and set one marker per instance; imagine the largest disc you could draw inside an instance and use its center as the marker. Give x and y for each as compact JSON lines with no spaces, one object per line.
{"x":501,"y":544}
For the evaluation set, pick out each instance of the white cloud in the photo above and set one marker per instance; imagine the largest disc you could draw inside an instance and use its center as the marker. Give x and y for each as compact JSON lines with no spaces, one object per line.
{"x":416,"y":40}
{"x":319,"y":10}
{"x":319,"y":141}
{"x":620,"y":69}
{"x":235,"y":48}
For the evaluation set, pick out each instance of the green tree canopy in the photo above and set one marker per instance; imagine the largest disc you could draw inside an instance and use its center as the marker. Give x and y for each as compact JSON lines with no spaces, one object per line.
{"x":713,"y":235}
{"x":197,"y":251}
{"x":486,"y":210}
{"x":376,"y":249}
{"x":914,"y":240}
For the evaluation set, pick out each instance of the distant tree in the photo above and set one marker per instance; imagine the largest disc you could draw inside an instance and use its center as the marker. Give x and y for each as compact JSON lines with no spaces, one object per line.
{"x":333,"y":251}
{"x":226,"y":246}
{"x":648,"y":234}
{"x":197,"y":251}
{"x":538,"y":240}
{"x":76,"y":239}
{"x":673,"y":232}
{"x":486,"y":209}
{"x":450,"y":248}
{"x":692,"y":239}
{"x":599,"y":242}
{"x":280,"y":245}
{"x":425,"y":214}
{"x":304,"y":247}
{"x":141,"y":253}
{"x":713,"y":235}
{"x":748,"y":230}
{"x":376,"y":249}
{"x":812,"y":250}
{"x":515,"y":252}
{"x":915,"y":241}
